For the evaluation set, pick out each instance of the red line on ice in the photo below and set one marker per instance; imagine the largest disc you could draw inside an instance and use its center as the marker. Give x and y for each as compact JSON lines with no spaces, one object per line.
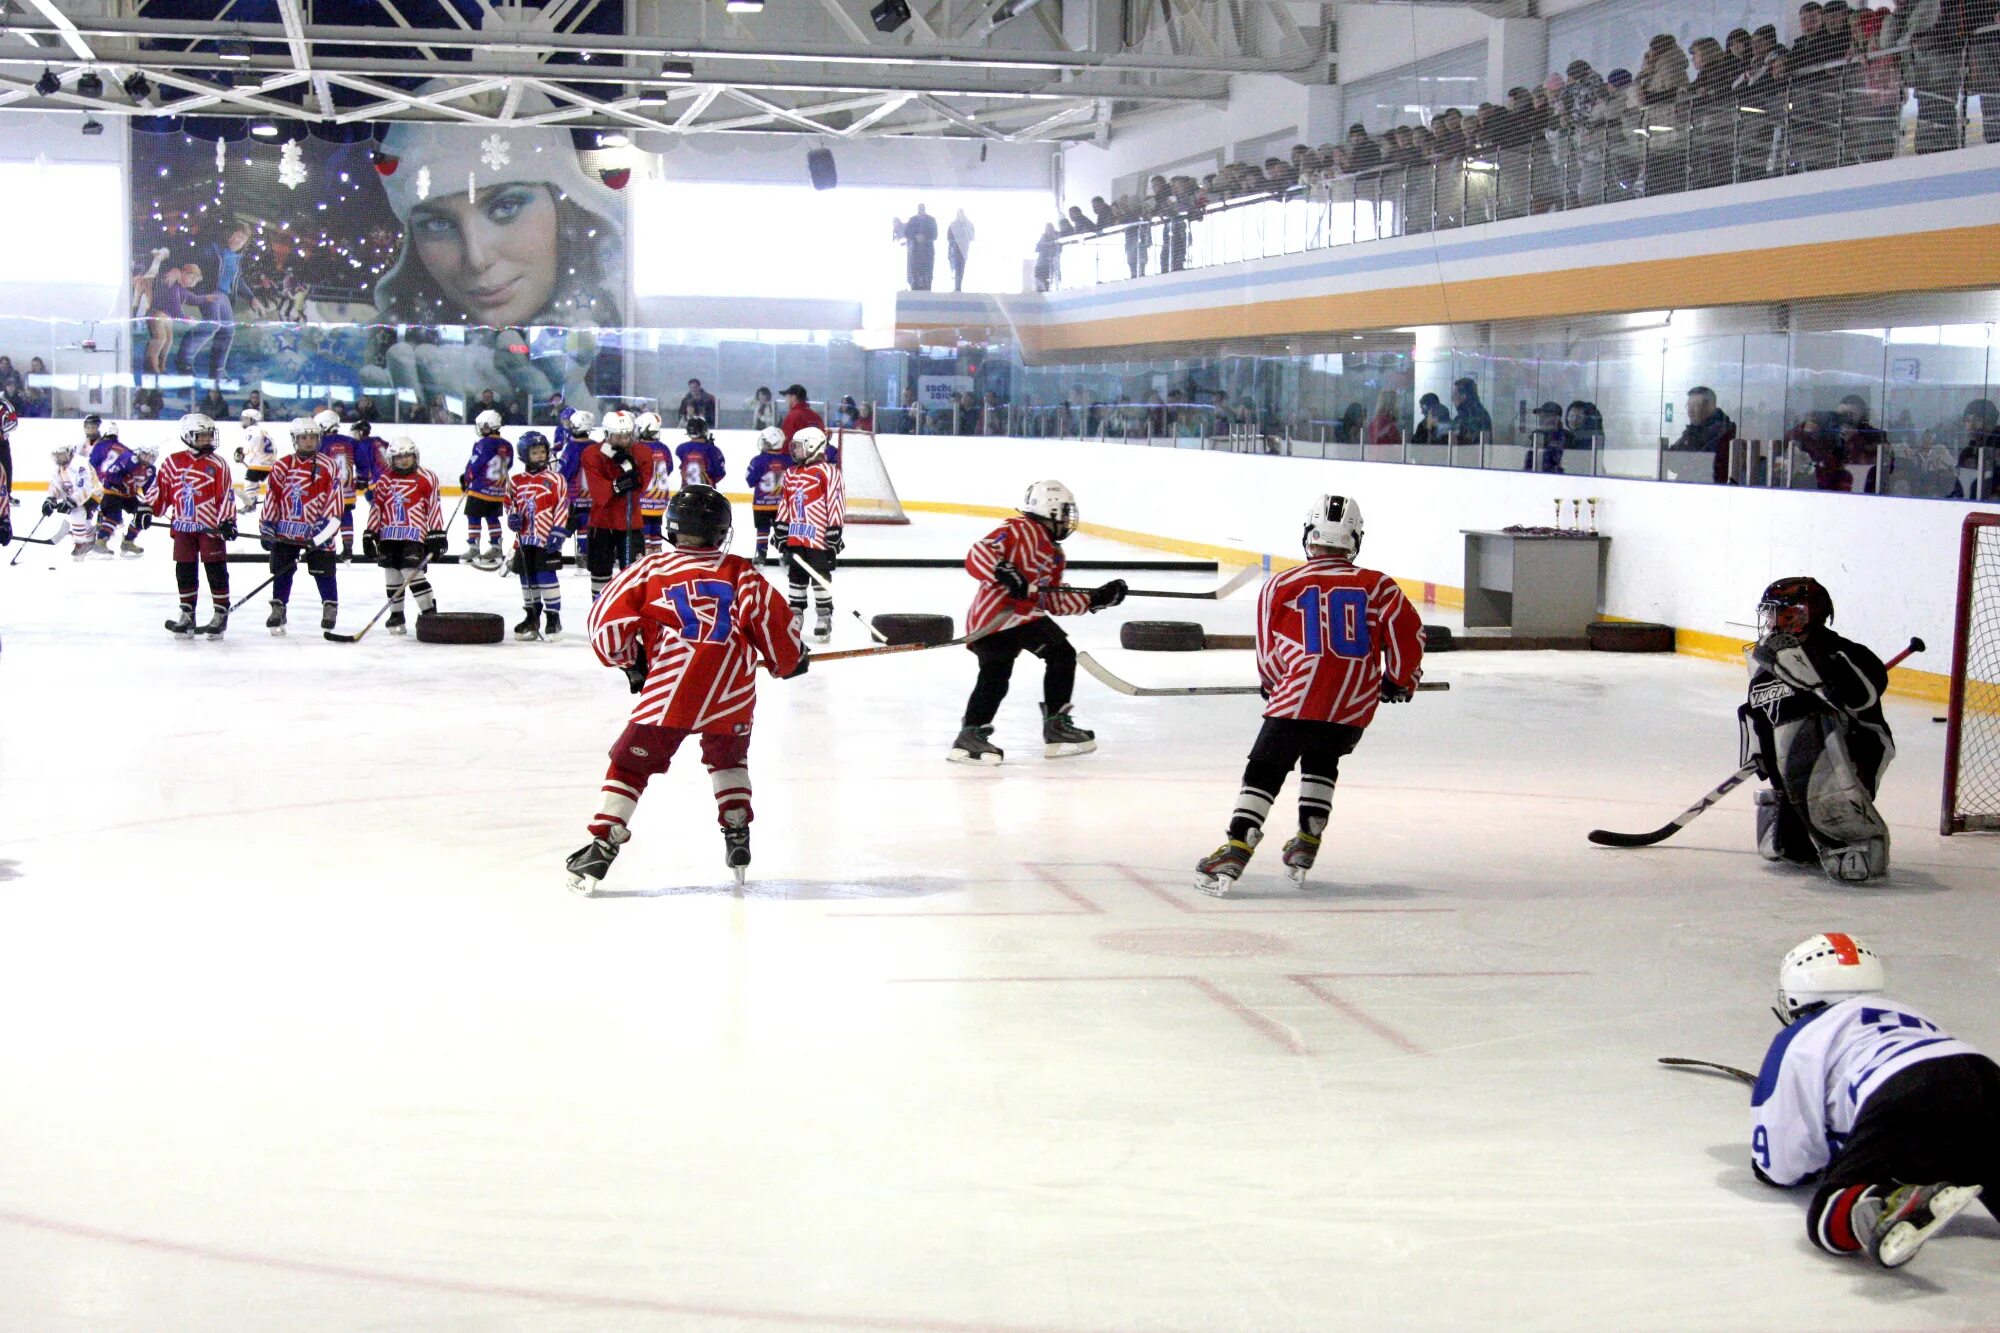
{"x":1269,"y":1027}
{"x":1360,"y":1015}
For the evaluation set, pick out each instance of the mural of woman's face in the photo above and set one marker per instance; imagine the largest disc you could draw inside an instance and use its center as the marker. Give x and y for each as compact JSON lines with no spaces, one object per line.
{"x":495,"y":260}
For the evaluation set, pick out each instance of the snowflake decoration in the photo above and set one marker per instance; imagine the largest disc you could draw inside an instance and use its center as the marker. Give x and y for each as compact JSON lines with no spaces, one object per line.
{"x":423,"y":182}
{"x":495,"y":152}
{"x":291,"y":165}
{"x":221,"y":156}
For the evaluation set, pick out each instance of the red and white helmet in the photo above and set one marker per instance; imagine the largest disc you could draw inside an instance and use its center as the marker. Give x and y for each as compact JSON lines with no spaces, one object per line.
{"x":8,"y":418}
{"x":808,"y":444}
{"x":1825,"y":970}
{"x":1054,"y":503}
{"x":770,"y":439}
{"x":488,"y":422}
{"x":647,"y":425}
{"x":1334,"y":522}
{"x":620,"y":424}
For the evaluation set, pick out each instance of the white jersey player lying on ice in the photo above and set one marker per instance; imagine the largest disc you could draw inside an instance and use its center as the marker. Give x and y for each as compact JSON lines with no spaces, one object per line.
{"x":73,"y":492}
{"x":1898,"y":1119}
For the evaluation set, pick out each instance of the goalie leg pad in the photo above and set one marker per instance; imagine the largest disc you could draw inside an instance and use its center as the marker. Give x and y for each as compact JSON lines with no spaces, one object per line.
{"x":1828,"y":794}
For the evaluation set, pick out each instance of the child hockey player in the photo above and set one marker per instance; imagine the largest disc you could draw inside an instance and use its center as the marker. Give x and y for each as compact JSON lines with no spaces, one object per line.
{"x":660,"y":485}
{"x":537,"y":508}
{"x":195,"y":490}
{"x":1333,"y":640}
{"x":258,"y":455}
{"x":405,"y":530}
{"x":616,"y":473}
{"x":352,"y":462}
{"x":767,"y":486}
{"x":73,"y":493}
{"x":1897,"y":1118}
{"x":1814,"y":727}
{"x":485,"y":484}
{"x":117,"y":469}
{"x":688,"y":628}
{"x":300,"y":519}
{"x":811,"y":512}
{"x":1019,"y":566}
{"x":572,"y":438}
{"x":701,"y":463}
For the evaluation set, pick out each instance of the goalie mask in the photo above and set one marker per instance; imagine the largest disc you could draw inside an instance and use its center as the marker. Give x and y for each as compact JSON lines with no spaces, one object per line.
{"x":1826,"y":969}
{"x":198,"y":433}
{"x":699,"y":517}
{"x":535,"y":450}
{"x":770,"y":439}
{"x":1794,"y":606}
{"x":1054,"y":504}
{"x":808,"y":445}
{"x":1334,"y":523}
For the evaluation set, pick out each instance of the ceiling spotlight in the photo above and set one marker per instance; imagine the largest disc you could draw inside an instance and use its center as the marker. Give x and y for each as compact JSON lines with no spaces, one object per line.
{"x":93,"y":127}
{"x":678,"y":69}
{"x":48,"y":85}
{"x":653,"y":97}
{"x":237,"y":51}
{"x":264,"y":129}
{"x":613,"y":139}
{"x":89,"y":84}
{"x":1010,"y":10}
{"x":138,"y":87}
{"x":744,"y":6}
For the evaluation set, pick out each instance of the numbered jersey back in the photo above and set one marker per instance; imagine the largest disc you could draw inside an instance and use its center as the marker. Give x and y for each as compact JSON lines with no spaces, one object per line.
{"x":1326,"y":633}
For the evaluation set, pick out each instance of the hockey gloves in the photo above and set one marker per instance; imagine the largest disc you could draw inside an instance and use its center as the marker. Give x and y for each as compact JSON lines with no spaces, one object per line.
{"x":805,"y":660}
{"x":1107,"y":594}
{"x":144,"y":518}
{"x":228,"y":529}
{"x":1016,"y":586}
{"x":6,"y":529}
{"x":781,"y":533}
{"x":635,"y":673}
{"x":434,"y":543}
{"x":369,"y":550}
{"x":1394,"y":693}
{"x":836,"y":540}
{"x":48,"y":506}
{"x":627,"y":479}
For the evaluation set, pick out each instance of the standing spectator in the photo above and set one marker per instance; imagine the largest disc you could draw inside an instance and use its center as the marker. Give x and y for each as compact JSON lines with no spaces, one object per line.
{"x":1363,"y":153}
{"x":1433,"y":421}
{"x":1471,"y":423}
{"x":763,"y":411}
{"x":1048,"y":251}
{"x":1384,"y":427}
{"x":799,"y":414}
{"x":1708,"y":431}
{"x":1663,"y":72}
{"x":920,"y":235}
{"x":696,"y":402}
{"x":1138,"y":236}
{"x":1979,"y":459}
{"x":958,"y":245}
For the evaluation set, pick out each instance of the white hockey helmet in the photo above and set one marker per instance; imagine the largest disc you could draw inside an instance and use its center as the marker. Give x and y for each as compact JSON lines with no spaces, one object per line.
{"x":403,"y":447}
{"x":252,"y":417}
{"x":1334,"y":522}
{"x":1054,"y":503}
{"x":106,"y":426}
{"x":198,"y":431}
{"x":488,"y":422}
{"x":619,"y":423}
{"x":808,"y":444}
{"x":327,"y":420}
{"x":581,"y":422}
{"x":1826,"y":969}
{"x":647,"y":425}
{"x":303,"y":430}
{"x":770,"y":439}
{"x":62,"y":453}
{"x":146,"y":453}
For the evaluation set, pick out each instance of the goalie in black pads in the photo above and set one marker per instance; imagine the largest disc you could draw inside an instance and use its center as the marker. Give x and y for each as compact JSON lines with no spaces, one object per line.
{"x":1813,"y":725}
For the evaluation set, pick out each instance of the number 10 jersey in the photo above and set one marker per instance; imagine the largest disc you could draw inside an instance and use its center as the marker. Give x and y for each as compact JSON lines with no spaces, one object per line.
{"x":1327,"y":633}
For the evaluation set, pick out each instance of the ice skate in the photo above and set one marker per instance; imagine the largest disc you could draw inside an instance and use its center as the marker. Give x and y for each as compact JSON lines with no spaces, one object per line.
{"x":530,"y":627}
{"x":975,"y":746}
{"x":587,"y":864}
{"x":275,"y":622}
{"x":80,"y":551}
{"x":184,"y":626}
{"x":1912,"y":1215}
{"x":329,"y":615}
{"x":217,"y":624}
{"x":1062,"y":737}
{"x":1214,"y":873}
{"x":736,"y":848}
{"x":1301,"y":850}
{"x":551,"y":623}
{"x":823,"y":627}
{"x":128,"y":547}
{"x":100,"y":547}
{"x":395,"y":624}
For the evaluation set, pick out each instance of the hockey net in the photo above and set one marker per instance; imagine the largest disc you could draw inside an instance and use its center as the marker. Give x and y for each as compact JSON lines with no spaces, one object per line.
{"x":871,"y":496}
{"x":1972,"y":719}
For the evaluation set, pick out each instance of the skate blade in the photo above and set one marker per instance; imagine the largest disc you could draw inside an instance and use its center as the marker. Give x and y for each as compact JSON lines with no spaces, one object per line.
{"x":277,"y":631}
{"x":1065,"y":749}
{"x":1297,"y":874}
{"x":740,"y":872}
{"x":962,"y":757}
{"x":1215,"y":886}
{"x":583,"y":886}
{"x":1904,"y":1239}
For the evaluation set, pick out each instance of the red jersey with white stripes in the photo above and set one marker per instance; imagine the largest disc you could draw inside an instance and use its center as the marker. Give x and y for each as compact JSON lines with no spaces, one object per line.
{"x":196,"y":489}
{"x":403,"y":506}
{"x":814,"y":502}
{"x":1327,"y":633}
{"x":303,"y":492}
{"x":1026,"y":545}
{"x":540,"y":501}
{"x":704,"y":619}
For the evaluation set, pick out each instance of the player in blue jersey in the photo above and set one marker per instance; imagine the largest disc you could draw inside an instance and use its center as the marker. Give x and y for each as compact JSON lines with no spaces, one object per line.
{"x":572,"y":438}
{"x":485,"y":484}
{"x":766,"y":476}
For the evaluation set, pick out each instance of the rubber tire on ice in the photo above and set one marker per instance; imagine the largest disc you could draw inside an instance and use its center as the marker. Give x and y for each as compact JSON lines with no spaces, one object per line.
{"x":1437,"y":639}
{"x":1614,"y":636}
{"x":460,"y":627}
{"x":898,"y":627}
{"x":1162,"y":636}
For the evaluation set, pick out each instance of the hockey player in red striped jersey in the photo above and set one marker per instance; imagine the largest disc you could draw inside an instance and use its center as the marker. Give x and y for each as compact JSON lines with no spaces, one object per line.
{"x":1019,"y":566}
{"x":300,"y":518}
{"x":687,"y":627}
{"x":811,"y":513}
{"x":194,"y":489}
{"x":537,"y":509}
{"x":1333,"y":641}
{"x":405,"y":530}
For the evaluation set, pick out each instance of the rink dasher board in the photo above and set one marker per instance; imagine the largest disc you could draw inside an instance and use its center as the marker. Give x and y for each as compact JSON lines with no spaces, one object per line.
{"x":860,"y":562}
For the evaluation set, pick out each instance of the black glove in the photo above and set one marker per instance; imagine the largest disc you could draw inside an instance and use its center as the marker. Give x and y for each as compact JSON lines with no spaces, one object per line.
{"x":6,"y":529}
{"x":434,"y":542}
{"x":635,"y":674}
{"x":1010,"y":579}
{"x":228,"y":529}
{"x":780,"y":534}
{"x":836,"y":540}
{"x":1393,"y":693}
{"x":1107,"y":594}
{"x":627,"y":479}
{"x":805,"y":660}
{"x":144,"y":518}
{"x":514,"y":561}
{"x":48,"y":506}
{"x":64,"y":506}
{"x":267,"y":543}
{"x":369,"y":550}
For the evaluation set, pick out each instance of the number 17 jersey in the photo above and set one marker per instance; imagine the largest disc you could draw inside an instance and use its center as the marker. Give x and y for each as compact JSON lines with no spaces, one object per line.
{"x":1327,"y":633}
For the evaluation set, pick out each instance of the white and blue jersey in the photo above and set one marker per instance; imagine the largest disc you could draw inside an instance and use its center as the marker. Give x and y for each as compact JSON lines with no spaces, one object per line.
{"x":1820,"y":1072}
{"x":570,"y":447}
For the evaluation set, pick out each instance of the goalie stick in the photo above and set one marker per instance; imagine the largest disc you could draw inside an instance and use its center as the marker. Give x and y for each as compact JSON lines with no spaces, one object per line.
{"x":332,"y":636}
{"x":1710,"y":1067}
{"x":814,"y":575}
{"x":1105,"y":677}
{"x":1242,"y":576}
{"x":1607,"y":838}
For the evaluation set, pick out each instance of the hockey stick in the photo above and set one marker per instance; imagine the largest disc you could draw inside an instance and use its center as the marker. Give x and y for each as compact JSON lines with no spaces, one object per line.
{"x":883,"y":650}
{"x":1243,"y":576}
{"x":1606,"y":838}
{"x":1710,"y":1067}
{"x":1123,"y":686}
{"x":35,"y":541}
{"x":331,"y":637}
{"x":30,"y":537}
{"x":814,"y":575}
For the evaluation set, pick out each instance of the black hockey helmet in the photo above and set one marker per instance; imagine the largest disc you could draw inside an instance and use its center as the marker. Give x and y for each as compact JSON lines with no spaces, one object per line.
{"x":1796,"y":606}
{"x":697,"y":428}
{"x":530,"y":441}
{"x":700,"y":516}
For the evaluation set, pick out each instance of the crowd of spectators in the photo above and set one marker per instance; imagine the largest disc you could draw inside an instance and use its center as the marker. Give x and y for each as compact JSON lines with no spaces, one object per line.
{"x":1742,"y":106}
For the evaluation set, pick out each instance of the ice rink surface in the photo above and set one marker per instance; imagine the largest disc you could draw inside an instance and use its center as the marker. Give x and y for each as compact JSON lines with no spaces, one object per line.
{"x":302,"y":1030}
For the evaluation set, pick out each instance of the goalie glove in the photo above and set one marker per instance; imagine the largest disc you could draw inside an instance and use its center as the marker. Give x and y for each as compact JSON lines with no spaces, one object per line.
{"x":1393,"y":692}
{"x":1107,"y":594}
{"x":1011,"y":580}
{"x":1785,"y":657}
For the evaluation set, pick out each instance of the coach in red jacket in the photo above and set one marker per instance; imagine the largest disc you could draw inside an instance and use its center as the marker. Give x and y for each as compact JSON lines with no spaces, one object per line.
{"x":798,"y":413}
{"x":616,"y":474}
